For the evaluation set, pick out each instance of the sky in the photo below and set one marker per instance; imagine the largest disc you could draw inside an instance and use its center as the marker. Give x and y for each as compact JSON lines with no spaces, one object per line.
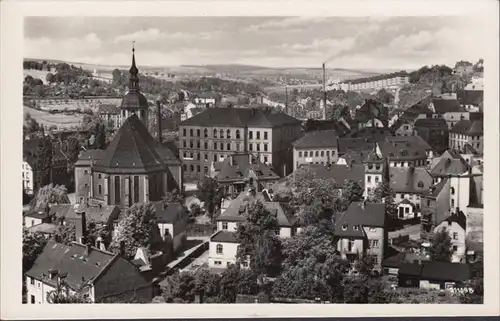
{"x":345,"y":42}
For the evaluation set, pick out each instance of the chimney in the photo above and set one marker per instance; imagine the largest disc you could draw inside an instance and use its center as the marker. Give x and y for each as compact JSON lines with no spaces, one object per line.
{"x":88,"y":248}
{"x":158,"y":119}
{"x":52,"y":273}
{"x":81,"y":226}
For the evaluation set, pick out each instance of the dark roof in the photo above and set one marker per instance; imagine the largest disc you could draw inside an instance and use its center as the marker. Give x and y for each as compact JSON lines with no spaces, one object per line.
{"x":400,"y":122}
{"x":240,"y":117}
{"x":80,"y":268}
{"x":450,"y":166}
{"x":37,"y":214}
{"x":458,"y":218}
{"x":317,"y":139}
{"x":372,"y":109}
{"x":468,"y":149}
{"x":360,"y":214}
{"x":134,"y":99}
{"x":409,"y":180}
{"x":241,"y":166}
{"x":445,"y":271}
{"x":471,"y":97}
{"x":419,"y":108}
{"x":340,"y":173}
{"x":133,"y":150}
{"x":109,"y":109}
{"x":88,"y":156}
{"x":469,"y":128}
{"x":358,"y":144}
{"x":442,"y":106}
{"x":355,"y":157}
{"x":412,"y":269}
{"x":100,"y":214}
{"x":402,"y":150}
{"x":224,"y":237}
{"x":435,"y":190}
{"x":431,"y":123}
{"x":171,"y":213}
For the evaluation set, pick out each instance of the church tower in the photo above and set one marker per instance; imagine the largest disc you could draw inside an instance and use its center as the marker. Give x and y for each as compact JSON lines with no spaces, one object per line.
{"x":134,"y":102}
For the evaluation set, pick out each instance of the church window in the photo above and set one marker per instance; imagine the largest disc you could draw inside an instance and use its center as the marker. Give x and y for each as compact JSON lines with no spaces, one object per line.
{"x":215,"y":133}
{"x":228,"y":134}
{"x":237,"y":134}
{"x":117,"y":190}
{"x":222,"y":133}
{"x":197,"y":133}
{"x":205,"y":133}
{"x":136,"y":189}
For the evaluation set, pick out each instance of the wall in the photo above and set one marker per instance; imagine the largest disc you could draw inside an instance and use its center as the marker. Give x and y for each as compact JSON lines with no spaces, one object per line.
{"x":28,"y":183}
{"x":459,"y":241}
{"x":324,"y":156}
{"x":258,"y":143}
{"x":460,"y":196}
{"x":38,"y":289}
{"x":405,"y":211}
{"x":376,"y":233}
{"x":474,"y":221}
{"x":82,"y":182}
{"x":405,"y":130}
{"x":231,"y":226}
{"x":31,"y":221}
{"x":452,"y":118}
{"x":228,"y":255}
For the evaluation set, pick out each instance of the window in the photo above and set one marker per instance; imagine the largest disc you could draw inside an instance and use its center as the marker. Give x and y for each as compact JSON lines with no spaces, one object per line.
{"x":370,"y":166}
{"x":376,"y":179}
{"x":205,"y":145}
{"x":224,"y":225}
{"x":237,"y":134}
{"x":99,"y":176}
{"x":322,"y":153}
{"x":265,"y":135}
{"x":250,"y":135}
{"x":217,"y":262}
{"x":369,"y":178}
{"x":455,"y":248}
{"x":117,"y":190}
{"x":407,"y":210}
{"x":184,"y":133}
{"x":374,"y":243}
{"x":86,"y":185}
{"x":198,"y":133}
{"x":265,"y":147}
{"x":250,"y":146}
{"x":205,"y":133}
{"x":32,"y":281}
{"x":32,"y":299}
{"x":136,"y":189}
{"x":191,"y":133}
{"x":265,"y":159}
{"x":305,"y":154}
{"x":258,"y":147}
{"x":215,"y":133}
{"x":316,"y":153}
{"x":206,"y":168}
{"x":228,"y":146}
{"x":333,"y":153}
{"x":215,"y":157}
{"x":455,"y":235}
{"x":219,"y":249}
{"x":452,"y":190}
{"x":184,"y":144}
{"x":244,"y":264}
{"x":237,"y":147}
{"x":99,"y":189}
{"x":375,"y":259}
{"x":327,"y":153}
{"x":191,"y":168}
{"x":344,"y":227}
{"x":452,"y":203}
{"x":428,"y":202}
{"x":221,"y":146}
{"x":85,"y":172}
{"x":191,"y":145}
{"x":350,"y":245}
{"x":257,"y":134}
{"x":215,"y":145}
{"x":198,"y":168}
{"x":228,"y":133}
{"x":197,"y":144}
{"x":222,"y":133}
{"x":185,"y":167}
{"x":355,"y":227}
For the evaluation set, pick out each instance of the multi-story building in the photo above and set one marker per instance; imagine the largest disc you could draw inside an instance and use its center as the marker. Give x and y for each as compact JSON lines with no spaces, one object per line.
{"x":405,"y":151}
{"x":387,"y":81}
{"x":375,"y":170}
{"x":467,"y":132}
{"x":403,"y":127}
{"x":215,"y":133}
{"x":435,"y":205}
{"x":111,"y":116}
{"x":472,"y":100}
{"x":409,"y":184}
{"x":317,"y":147}
{"x":361,"y":231}
{"x":455,"y":225}
{"x":434,"y":131}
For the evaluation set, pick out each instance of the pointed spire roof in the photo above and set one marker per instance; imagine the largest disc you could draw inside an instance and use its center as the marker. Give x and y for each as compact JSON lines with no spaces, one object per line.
{"x":134,"y":99}
{"x":133,"y":69}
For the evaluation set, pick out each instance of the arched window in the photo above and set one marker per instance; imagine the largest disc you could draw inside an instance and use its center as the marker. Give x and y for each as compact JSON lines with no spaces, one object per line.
{"x":452,"y":190}
{"x":215,"y":133}
{"x":219,"y":249}
{"x":117,"y":190}
{"x":222,"y":133}
{"x":237,"y":134}
{"x":228,"y":133}
{"x":205,"y":133}
{"x":136,"y":189}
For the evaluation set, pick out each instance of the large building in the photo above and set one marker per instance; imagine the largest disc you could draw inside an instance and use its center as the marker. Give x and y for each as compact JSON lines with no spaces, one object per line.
{"x":216,"y":133}
{"x":434,"y":131}
{"x":134,"y":167}
{"x":318,"y":147}
{"x":467,"y":132}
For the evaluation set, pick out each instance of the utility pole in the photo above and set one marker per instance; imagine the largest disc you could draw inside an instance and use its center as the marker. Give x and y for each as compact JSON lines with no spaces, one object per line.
{"x":324,"y":92}
{"x":286,"y":100}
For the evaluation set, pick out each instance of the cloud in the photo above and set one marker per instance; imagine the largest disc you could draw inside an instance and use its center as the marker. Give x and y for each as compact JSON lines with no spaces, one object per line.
{"x":326,"y":46}
{"x":292,"y":22}
{"x":151,"y":35}
{"x":61,"y":48}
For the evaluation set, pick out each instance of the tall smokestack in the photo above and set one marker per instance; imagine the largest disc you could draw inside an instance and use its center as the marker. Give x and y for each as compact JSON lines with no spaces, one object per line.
{"x":158,"y":119}
{"x":286,"y":100}
{"x":324,"y":92}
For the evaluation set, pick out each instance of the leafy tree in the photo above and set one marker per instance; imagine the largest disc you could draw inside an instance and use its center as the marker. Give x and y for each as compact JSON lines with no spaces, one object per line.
{"x":195,"y":210}
{"x":137,"y":229}
{"x":211,"y":194}
{"x":63,"y":295}
{"x":73,"y":151}
{"x":258,"y":240}
{"x":33,"y":245}
{"x":50,"y":78}
{"x":440,"y":249}
{"x":100,"y":136}
{"x":179,"y":287}
{"x":383,"y":193}
{"x":43,"y":162}
{"x":384,"y":96}
{"x":49,"y":194}
{"x":363,"y":289}
{"x":65,"y":233}
{"x":351,"y":192}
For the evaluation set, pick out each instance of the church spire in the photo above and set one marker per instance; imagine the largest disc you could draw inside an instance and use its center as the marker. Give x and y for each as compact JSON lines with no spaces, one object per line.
{"x":134,"y":72}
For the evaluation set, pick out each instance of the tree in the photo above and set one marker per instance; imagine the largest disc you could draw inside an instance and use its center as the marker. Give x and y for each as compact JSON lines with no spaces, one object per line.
{"x":100,"y":136}
{"x":440,"y":249}
{"x":43,"y":162}
{"x":65,"y":233}
{"x":179,"y":287}
{"x":62,"y":294}
{"x":351,"y":192}
{"x":195,"y":210}
{"x":73,"y":151}
{"x":33,"y":245}
{"x":137,"y":229}
{"x":363,"y":289}
{"x":383,"y":193}
{"x":50,"y":78}
{"x":384,"y":96}
{"x":49,"y":194}
{"x":211,"y":194}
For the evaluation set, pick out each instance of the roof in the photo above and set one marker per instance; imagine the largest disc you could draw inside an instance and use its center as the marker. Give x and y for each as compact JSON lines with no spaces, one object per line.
{"x":240,"y":117}
{"x":109,"y":109}
{"x":471,"y":97}
{"x":171,"y":213}
{"x":400,"y":122}
{"x":358,"y":144}
{"x":431,"y":123}
{"x":401,"y":150}
{"x":412,"y":269}
{"x":133,"y":150}
{"x":134,"y":99}
{"x":98,"y":213}
{"x":458,"y":218}
{"x":469,"y":128}
{"x":435,"y":190}
{"x":409,"y":180}
{"x":45,"y":228}
{"x":450,"y":166}
{"x":355,"y":157}
{"x":317,"y":139}
{"x":241,"y":166}
{"x":360,"y":214}
{"x":442,"y":106}
{"x":372,"y":109}
{"x":224,"y":237}
{"x":445,"y":271}
{"x":37,"y":214}
{"x":80,"y":268}
{"x":468,"y":149}
{"x":340,"y":173}
{"x":88,"y":156}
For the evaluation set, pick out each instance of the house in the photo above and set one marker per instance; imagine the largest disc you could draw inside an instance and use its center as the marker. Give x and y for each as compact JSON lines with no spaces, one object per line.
{"x":471,"y":100}
{"x":361,"y":230}
{"x":409,"y":183}
{"x":467,"y":132}
{"x":48,"y":230}
{"x":316,"y":147}
{"x":240,"y":170}
{"x":403,"y":127}
{"x":353,"y":157}
{"x":375,"y":172}
{"x":434,"y":131}
{"x":37,"y":217}
{"x":354,"y":144}
{"x":204,"y":99}
{"x":455,"y":225}
{"x":111,"y":116}
{"x":223,"y":248}
{"x":440,"y":106}
{"x":372,"y":114}
{"x":172,"y":220}
{"x":215,"y":133}
{"x":96,"y":274}
{"x":339,"y":173}
{"x":405,"y":151}
{"x":435,"y":205}
{"x":433,"y":275}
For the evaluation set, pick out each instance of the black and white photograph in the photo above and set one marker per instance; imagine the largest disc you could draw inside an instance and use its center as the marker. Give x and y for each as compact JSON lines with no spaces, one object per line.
{"x":255,"y":159}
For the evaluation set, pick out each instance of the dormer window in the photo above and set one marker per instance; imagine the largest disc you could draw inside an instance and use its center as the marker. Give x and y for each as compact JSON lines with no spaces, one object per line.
{"x":355,"y":227}
{"x":344,"y":227}
{"x":420,"y":184}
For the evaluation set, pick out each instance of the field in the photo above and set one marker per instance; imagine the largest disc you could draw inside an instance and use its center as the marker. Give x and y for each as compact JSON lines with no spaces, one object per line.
{"x":60,"y":120}
{"x":36,"y":74}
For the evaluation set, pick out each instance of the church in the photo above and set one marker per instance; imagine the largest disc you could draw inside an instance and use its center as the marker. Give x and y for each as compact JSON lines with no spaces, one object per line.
{"x":135,"y":167}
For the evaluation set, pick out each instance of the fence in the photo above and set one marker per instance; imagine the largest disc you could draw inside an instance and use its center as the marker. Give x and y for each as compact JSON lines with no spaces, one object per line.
{"x":200,"y":230}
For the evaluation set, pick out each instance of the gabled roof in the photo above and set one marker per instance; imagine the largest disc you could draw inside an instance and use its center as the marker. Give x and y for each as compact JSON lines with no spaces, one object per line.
{"x":355,"y":157}
{"x":436,"y":189}
{"x":471,"y":97}
{"x":133,"y":150}
{"x":409,"y":180}
{"x":239,"y":167}
{"x":88,"y":156}
{"x":442,"y":106}
{"x":431,"y":123}
{"x":411,"y":269}
{"x":240,"y":117}
{"x":98,"y":213}
{"x":358,"y":144}
{"x":224,"y":237}
{"x":401,"y":150}
{"x":318,"y":139}
{"x":360,"y":214}
{"x":469,"y":128}
{"x":445,"y":271}
{"x":372,"y":109}
{"x":450,"y":166}
{"x":80,"y":268}
{"x":458,"y":218}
